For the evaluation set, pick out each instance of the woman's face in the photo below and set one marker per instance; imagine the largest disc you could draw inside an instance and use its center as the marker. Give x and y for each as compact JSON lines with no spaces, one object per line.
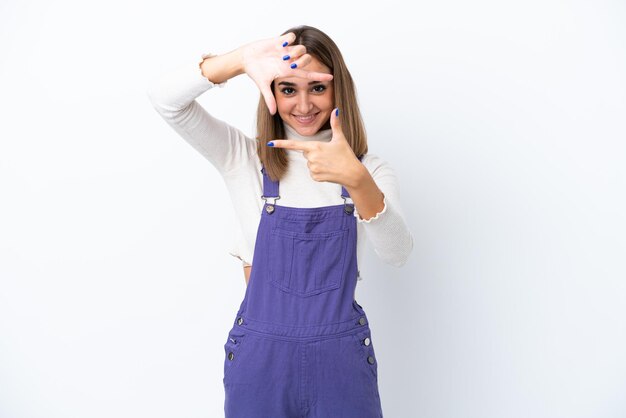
{"x":304,"y":104}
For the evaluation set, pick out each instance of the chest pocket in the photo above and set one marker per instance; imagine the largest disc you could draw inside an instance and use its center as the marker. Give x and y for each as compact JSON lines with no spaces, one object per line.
{"x":307,"y":263}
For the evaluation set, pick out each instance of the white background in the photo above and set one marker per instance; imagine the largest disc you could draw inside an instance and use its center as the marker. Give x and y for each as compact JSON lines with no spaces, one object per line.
{"x":503,"y":120}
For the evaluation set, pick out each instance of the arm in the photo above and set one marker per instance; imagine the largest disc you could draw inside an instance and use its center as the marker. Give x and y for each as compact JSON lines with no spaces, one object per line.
{"x":367,"y":197}
{"x":377,"y":208}
{"x":223,"y":145}
{"x":246,"y":272}
{"x":221,"y":68}
{"x":375,"y":195}
{"x":173,"y":97}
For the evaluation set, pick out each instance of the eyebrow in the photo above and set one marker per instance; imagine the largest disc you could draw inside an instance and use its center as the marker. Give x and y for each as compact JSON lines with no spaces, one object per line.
{"x":289,"y":84}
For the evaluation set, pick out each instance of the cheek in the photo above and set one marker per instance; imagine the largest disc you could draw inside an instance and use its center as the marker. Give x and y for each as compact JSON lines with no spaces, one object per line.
{"x":329,"y":103}
{"x":282,"y":102}
{"x":330,"y":99}
{"x":281,"y":105}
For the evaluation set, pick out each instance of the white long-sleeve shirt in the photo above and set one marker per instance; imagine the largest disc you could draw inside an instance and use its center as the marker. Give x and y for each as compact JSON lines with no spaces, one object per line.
{"x":234,"y":155}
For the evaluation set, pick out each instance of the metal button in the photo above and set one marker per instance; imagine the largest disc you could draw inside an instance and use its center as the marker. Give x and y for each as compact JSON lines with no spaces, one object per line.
{"x":362,"y":321}
{"x":366,"y":341}
{"x":269,"y":208}
{"x":348,"y":209}
{"x":231,"y":356}
{"x":240,"y":320}
{"x":370,"y":360}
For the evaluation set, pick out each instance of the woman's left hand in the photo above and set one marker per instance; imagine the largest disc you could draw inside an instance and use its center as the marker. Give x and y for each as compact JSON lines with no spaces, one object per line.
{"x":332,"y":161}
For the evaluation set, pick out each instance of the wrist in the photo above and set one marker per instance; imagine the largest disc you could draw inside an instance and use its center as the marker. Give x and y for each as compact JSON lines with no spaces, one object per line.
{"x":238,"y":61}
{"x":357,"y":178}
{"x":202,"y":66}
{"x":220,"y":68}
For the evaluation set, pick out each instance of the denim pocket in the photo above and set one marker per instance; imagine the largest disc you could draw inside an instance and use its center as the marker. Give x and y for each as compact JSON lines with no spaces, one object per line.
{"x":232,"y":352}
{"x":365,"y":351}
{"x":307,"y":263}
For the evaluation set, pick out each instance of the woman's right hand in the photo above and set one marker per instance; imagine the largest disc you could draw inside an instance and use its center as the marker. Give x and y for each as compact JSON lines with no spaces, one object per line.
{"x":263,"y":62}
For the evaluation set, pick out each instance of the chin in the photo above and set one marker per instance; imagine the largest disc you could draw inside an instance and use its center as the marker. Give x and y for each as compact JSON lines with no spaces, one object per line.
{"x":300,"y":128}
{"x":308,"y":130}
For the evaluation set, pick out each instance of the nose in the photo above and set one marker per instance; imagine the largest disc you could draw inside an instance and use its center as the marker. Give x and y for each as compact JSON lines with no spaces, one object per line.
{"x":304,"y":104}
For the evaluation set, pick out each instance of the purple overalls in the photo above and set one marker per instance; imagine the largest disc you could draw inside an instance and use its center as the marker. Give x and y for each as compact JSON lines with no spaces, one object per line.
{"x":300,"y":345}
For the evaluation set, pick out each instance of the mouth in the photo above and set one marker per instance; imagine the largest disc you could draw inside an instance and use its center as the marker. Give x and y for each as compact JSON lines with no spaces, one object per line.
{"x":306,"y":120}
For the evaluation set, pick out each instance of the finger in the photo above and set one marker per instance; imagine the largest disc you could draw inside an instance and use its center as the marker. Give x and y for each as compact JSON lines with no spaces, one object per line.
{"x":301,"y":61}
{"x":269,"y":98}
{"x":335,"y":123}
{"x":294,"y":53}
{"x":298,"y":71}
{"x":290,"y":144}
{"x":288,"y":38}
{"x":311,"y":75}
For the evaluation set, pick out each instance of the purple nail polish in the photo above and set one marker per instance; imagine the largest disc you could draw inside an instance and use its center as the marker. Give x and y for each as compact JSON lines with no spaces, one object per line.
{"x":270,"y":144}
{"x":286,"y":57}
{"x":337,"y":112}
{"x":294,"y":65}
{"x":285,"y":44}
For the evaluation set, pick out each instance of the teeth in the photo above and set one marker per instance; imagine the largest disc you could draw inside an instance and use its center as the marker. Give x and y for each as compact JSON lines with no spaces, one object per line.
{"x":305,"y":118}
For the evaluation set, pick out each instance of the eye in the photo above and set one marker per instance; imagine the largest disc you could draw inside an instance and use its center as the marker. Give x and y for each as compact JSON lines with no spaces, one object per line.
{"x":285,"y":90}
{"x":323,"y":87}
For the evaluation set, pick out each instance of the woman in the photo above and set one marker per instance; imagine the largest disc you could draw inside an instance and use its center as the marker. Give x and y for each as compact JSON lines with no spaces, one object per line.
{"x":300,"y":344}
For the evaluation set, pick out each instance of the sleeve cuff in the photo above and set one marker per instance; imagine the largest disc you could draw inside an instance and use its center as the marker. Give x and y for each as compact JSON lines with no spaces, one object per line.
{"x":204,"y":56}
{"x":244,"y":262}
{"x":358,"y":217}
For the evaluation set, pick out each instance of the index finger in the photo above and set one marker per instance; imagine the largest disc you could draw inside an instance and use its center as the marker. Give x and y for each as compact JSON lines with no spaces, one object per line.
{"x":293,"y":144}
{"x":312,"y":75}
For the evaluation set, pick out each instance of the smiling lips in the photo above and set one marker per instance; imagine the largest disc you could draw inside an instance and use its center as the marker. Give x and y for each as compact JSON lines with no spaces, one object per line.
{"x":306,"y":120}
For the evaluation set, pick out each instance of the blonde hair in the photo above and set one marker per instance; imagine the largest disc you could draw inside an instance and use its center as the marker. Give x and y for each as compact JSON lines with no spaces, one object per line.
{"x":323,"y":48}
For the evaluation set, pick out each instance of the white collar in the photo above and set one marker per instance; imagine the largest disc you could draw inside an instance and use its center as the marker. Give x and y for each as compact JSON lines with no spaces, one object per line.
{"x":324,"y":135}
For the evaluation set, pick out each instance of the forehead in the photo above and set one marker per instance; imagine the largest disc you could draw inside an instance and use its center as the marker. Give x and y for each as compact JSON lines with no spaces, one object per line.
{"x":314,"y":65}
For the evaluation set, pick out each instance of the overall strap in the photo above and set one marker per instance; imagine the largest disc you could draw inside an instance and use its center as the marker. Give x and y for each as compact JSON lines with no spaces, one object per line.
{"x":270,"y":191}
{"x":270,"y":187}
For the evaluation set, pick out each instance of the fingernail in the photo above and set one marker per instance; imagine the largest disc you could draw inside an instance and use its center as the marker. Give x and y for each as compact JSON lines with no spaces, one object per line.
{"x":270,"y":144}
{"x":286,"y":57}
{"x":285,"y":44}
{"x":337,"y":112}
{"x":294,"y":65}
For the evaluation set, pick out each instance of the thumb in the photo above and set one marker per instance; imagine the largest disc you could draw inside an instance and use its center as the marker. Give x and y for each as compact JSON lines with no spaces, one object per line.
{"x":335,"y":123}
{"x":269,"y":98}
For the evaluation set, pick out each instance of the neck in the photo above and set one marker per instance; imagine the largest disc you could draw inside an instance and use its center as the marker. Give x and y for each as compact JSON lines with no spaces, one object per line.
{"x":322,"y":135}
